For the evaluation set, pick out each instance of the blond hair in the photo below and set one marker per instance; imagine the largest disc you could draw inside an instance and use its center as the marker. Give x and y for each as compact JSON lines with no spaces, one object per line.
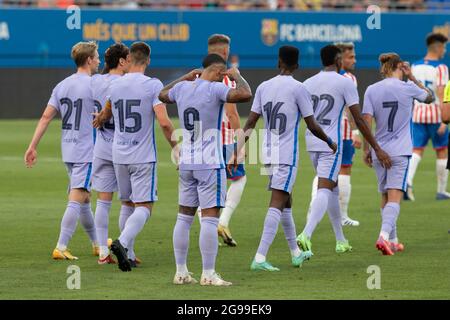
{"x":82,"y":51}
{"x":345,"y":46}
{"x":389,"y":63}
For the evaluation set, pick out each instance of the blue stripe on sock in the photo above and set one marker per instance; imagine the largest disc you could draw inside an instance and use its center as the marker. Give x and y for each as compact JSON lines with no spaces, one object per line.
{"x":88,"y":177}
{"x":286,"y":186}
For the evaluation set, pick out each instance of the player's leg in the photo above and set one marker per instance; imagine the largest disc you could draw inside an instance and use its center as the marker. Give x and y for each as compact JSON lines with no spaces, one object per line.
{"x":188,"y":203}
{"x":104,"y":181}
{"x":313,"y":195}
{"x":334,"y":214}
{"x":420,"y":140}
{"x":326,"y":165}
{"x":345,"y":187}
{"x":212,"y":185}
{"x":440,"y":143}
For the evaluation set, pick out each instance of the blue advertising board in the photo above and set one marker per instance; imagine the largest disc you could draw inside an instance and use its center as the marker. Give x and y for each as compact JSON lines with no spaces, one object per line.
{"x":44,"y":37}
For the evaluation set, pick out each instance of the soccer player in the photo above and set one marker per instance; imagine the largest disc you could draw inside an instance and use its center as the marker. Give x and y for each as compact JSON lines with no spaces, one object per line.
{"x":389,"y":102}
{"x":351,"y":140}
{"x":220,"y":44}
{"x":134,"y":104}
{"x":72,"y":98}
{"x":331,"y":93}
{"x":282,"y":101}
{"x":427,"y":122}
{"x":202,"y":179}
{"x":103,"y":176}
{"x":446,"y":115}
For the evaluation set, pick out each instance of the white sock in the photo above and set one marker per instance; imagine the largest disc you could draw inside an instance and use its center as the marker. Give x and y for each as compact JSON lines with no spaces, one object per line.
{"x":104,"y":252}
{"x":259,"y":258}
{"x":315,"y":185}
{"x":384,"y":235}
{"x":414,"y":163}
{"x":208,"y":273}
{"x":234,"y":195}
{"x":296,"y":252}
{"x":182,"y":268}
{"x":345,"y":189}
{"x":442,"y":175}
{"x":61,"y":247}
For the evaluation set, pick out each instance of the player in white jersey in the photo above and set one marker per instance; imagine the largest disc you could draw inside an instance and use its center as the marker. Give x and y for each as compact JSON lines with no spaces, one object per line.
{"x":427,"y":122}
{"x":389,"y":102}
{"x":351,"y":140}
{"x":103,"y":176}
{"x":331,"y":93}
{"x":282,"y":101}
{"x":134,"y":104}
{"x":72,"y":98}
{"x":220,"y":44}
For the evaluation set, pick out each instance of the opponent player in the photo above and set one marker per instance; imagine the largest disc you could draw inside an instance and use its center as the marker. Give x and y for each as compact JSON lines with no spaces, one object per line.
{"x":220,"y":44}
{"x":282,"y":101}
{"x":427,"y":122}
{"x":389,"y":102}
{"x":351,"y":140}
{"x":331,"y":93}
{"x":134,"y":104}
{"x":202,"y":170}
{"x":72,"y":98}
{"x":103,"y":176}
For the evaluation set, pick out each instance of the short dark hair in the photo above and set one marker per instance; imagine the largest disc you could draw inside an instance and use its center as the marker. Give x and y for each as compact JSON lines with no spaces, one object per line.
{"x":114,"y":53}
{"x":211,"y":59}
{"x":432,"y":38}
{"x":218,"y":39}
{"x":140,"y":52}
{"x":289,"y":55}
{"x":328,"y":54}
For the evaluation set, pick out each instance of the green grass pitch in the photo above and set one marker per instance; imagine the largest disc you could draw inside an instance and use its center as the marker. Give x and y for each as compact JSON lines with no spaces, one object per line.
{"x":32,"y":202}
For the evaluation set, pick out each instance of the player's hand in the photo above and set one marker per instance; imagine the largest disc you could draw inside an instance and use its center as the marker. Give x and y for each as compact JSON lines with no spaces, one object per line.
{"x":406,"y":68}
{"x":441,"y":130}
{"x":233,"y":73}
{"x":232,"y":164}
{"x":367,"y":158}
{"x":194,"y":74}
{"x":384,"y":158}
{"x":30,"y":157}
{"x":357,"y":141}
{"x":97,"y":122}
{"x":176,"y":156}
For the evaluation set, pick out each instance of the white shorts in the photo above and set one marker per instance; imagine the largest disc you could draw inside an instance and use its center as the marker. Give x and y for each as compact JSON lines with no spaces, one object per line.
{"x":281,"y":177}
{"x":137,"y":182}
{"x":79,"y":175}
{"x":326,"y":164}
{"x":103,"y":176}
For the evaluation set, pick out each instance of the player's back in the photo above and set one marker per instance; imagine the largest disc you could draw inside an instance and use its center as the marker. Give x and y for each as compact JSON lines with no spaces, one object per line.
{"x":105,"y":135}
{"x":282,"y":101}
{"x":133,"y":97}
{"x":330,"y":93}
{"x":72,"y":97}
{"x":432,"y":73}
{"x":200,"y":109}
{"x":390,"y":102}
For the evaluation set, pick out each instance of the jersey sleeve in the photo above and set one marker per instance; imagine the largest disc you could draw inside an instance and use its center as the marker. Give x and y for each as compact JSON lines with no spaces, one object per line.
{"x":221,"y":91}
{"x":367,"y":105}
{"x":173,"y":93}
{"x":351,"y":96}
{"x":256,"y":106}
{"x":304,"y":102}
{"x":442,"y":75}
{"x":229,"y":83}
{"x":53,"y":101}
{"x":416,"y":92}
{"x":447,"y":93}
{"x":158,"y":86}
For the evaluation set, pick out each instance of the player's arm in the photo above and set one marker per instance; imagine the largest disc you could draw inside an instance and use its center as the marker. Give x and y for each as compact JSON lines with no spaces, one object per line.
{"x":101,"y":118}
{"x":408,"y":73}
{"x":243,"y":92}
{"x":191,"y":76}
{"x":367,"y":154}
{"x":446,"y":104}
{"x":165,"y":123}
{"x":382,"y":156}
{"x":316,"y":130}
{"x":233,"y":115}
{"x":31,"y":153}
{"x":355,"y":132}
